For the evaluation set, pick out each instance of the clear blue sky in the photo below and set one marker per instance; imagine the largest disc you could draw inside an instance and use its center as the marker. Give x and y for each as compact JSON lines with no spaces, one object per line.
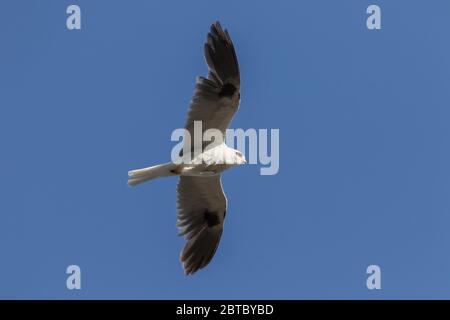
{"x":364,"y":153}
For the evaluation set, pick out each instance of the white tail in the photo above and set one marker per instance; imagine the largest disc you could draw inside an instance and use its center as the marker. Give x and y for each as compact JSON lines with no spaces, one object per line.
{"x":161,"y":170}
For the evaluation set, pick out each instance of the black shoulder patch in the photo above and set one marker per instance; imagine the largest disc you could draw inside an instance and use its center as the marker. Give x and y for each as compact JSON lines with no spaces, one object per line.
{"x":211,"y":218}
{"x":227,"y":90}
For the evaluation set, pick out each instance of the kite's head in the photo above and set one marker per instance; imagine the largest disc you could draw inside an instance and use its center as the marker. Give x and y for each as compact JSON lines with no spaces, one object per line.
{"x":239,"y":158}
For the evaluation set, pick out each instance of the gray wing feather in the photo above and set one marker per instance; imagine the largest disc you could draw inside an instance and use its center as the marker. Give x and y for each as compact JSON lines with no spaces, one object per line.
{"x":201,"y":208}
{"x":216,"y":98}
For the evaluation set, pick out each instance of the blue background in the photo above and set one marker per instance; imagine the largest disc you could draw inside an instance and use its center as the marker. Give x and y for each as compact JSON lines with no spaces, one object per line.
{"x":364,"y":149}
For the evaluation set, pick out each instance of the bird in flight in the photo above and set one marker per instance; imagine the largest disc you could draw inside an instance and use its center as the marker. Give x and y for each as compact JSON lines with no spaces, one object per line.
{"x":201,"y":202}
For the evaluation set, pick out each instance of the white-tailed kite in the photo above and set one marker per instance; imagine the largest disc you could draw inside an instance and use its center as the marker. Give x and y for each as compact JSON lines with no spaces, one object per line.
{"x":201,"y":202}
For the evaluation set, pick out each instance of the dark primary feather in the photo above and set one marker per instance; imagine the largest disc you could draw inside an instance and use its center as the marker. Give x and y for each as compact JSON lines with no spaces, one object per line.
{"x":221,"y":56}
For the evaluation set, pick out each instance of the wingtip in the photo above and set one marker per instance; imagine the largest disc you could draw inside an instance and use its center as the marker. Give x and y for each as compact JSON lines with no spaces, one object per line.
{"x":188,"y":273}
{"x":216,"y":24}
{"x":186,"y":270}
{"x":216,"y":29}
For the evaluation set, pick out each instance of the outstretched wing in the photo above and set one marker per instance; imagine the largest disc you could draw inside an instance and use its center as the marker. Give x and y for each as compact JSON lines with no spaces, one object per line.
{"x":216,"y":98}
{"x":201,"y":206}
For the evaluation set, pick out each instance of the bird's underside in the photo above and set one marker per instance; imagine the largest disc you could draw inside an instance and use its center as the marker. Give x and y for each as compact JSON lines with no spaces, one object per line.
{"x":201,"y":202}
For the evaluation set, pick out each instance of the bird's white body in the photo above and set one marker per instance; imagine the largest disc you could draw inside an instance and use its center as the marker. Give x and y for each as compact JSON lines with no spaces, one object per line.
{"x":211,"y":162}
